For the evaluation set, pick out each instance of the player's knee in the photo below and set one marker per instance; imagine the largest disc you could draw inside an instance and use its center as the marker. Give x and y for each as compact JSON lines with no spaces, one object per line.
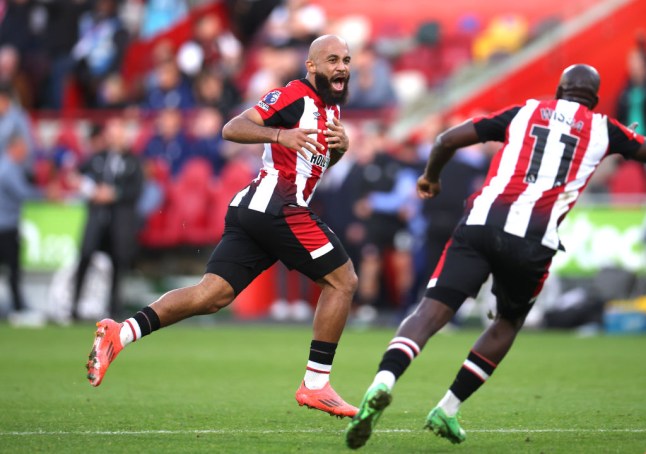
{"x":349,"y":281}
{"x":433,"y":314}
{"x":343,"y":279}
{"x":213,"y":293}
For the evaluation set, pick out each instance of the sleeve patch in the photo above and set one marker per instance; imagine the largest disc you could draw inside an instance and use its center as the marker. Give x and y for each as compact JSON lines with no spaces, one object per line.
{"x":271,"y":97}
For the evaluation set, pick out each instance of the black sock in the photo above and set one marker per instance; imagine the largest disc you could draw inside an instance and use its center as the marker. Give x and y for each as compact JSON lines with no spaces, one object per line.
{"x":475,"y":370}
{"x":400,"y":353}
{"x":322,"y":352}
{"x":148,"y":320}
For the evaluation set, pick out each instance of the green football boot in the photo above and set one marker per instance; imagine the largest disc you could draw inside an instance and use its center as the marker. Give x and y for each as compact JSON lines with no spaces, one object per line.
{"x":375,"y":401}
{"x":445,"y":426}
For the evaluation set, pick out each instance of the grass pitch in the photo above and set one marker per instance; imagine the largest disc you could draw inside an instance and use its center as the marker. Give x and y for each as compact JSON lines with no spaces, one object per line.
{"x":230,"y":389}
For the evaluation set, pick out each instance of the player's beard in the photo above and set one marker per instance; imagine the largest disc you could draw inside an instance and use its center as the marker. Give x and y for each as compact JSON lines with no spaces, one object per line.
{"x":327,"y":94}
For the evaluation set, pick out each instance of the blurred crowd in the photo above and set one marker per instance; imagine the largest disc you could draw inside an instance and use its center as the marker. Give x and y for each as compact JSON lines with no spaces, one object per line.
{"x":69,"y":95}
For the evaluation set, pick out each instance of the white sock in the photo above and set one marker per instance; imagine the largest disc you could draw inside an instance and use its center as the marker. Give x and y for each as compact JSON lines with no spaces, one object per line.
{"x":317,"y":375}
{"x":130,"y":331}
{"x":450,"y":404}
{"x":386,"y":377}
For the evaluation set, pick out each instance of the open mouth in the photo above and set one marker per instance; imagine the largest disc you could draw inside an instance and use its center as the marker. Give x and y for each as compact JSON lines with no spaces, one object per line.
{"x":338,"y":83}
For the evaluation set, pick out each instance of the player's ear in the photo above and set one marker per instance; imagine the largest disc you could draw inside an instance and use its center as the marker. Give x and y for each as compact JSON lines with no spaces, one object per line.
{"x":310,"y":66}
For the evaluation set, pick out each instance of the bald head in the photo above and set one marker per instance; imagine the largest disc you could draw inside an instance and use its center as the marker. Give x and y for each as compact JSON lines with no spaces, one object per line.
{"x":328,"y":68}
{"x":323,"y":43}
{"x":579,"y":83}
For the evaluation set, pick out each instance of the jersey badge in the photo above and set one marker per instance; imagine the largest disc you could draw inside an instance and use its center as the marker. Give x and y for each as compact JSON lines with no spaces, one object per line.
{"x":271,"y":97}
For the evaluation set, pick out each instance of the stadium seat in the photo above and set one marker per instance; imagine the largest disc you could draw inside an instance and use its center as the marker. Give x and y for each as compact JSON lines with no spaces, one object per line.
{"x":628,"y":180}
{"x":235,"y":176}
{"x":190,"y":196}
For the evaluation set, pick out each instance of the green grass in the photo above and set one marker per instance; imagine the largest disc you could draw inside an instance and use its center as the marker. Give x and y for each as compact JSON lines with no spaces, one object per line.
{"x":230,"y":388}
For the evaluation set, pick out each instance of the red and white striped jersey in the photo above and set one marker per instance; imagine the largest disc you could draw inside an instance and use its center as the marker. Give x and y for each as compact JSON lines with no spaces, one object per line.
{"x":550,"y":151}
{"x":286,"y":177}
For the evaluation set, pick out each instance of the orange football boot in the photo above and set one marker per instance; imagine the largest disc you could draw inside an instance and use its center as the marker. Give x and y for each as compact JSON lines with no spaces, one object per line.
{"x":106,"y":347}
{"x":325,"y":399}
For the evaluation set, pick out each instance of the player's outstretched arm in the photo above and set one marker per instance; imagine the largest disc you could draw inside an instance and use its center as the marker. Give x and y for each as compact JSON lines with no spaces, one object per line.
{"x":462,"y":135}
{"x":249,"y":127}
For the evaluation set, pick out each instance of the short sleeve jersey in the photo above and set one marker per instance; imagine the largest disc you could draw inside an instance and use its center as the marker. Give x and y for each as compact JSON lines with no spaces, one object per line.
{"x":286,"y":177}
{"x":550,"y":150}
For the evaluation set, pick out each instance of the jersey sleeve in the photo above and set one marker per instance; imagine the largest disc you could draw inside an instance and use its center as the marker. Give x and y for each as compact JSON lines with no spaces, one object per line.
{"x":622,"y":140}
{"x":281,"y":107}
{"x":494,"y":126}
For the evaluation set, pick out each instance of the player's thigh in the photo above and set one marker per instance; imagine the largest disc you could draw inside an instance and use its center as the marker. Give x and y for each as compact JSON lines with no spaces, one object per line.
{"x":299,"y":239}
{"x":461,"y":269}
{"x":518,"y":276}
{"x":238,"y":258}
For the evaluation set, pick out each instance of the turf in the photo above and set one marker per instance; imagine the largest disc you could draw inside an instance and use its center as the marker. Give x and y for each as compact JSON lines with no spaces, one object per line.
{"x":230,"y":389}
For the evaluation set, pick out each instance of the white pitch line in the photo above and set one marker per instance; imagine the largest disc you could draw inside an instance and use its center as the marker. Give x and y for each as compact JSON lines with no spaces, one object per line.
{"x":302,"y":431}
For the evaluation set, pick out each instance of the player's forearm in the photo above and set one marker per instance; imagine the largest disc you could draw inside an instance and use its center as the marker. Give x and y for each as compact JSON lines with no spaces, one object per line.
{"x":242,"y":130}
{"x":445,"y":146}
{"x":335,"y":156}
{"x":440,"y":155}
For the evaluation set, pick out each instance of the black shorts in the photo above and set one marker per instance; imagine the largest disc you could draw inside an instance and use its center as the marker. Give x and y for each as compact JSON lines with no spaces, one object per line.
{"x":519,"y":267}
{"x":253,"y":241}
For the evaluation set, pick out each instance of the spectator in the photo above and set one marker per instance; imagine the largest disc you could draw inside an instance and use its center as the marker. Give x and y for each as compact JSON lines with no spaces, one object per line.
{"x":14,"y":120}
{"x":111,"y":180}
{"x":60,"y":34}
{"x":12,"y":74}
{"x":112,"y":93}
{"x":207,"y":139}
{"x":168,"y":88}
{"x":14,"y":191}
{"x":16,"y":26}
{"x":388,"y":204}
{"x":100,"y":49}
{"x":295,"y":23}
{"x":463,"y":175}
{"x":211,"y":48}
{"x":371,"y":83}
{"x":276,"y":67}
{"x":216,"y":91}
{"x":629,"y":177}
{"x":169,"y":142}
{"x":19,"y":29}
{"x":631,"y":105}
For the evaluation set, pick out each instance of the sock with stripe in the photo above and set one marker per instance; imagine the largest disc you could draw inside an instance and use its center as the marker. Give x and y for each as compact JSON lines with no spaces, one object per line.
{"x":475,"y":370}
{"x":143,"y":323}
{"x":319,"y":364}
{"x":400,"y":353}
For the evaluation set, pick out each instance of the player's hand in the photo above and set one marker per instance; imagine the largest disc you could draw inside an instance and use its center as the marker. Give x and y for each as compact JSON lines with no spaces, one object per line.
{"x":336,"y":137}
{"x":428,"y":189}
{"x":299,"y":139}
{"x":633,"y":126}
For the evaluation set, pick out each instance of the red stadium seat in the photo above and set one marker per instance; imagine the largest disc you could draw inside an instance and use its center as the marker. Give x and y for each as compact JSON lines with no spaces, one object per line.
{"x":190,"y":197}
